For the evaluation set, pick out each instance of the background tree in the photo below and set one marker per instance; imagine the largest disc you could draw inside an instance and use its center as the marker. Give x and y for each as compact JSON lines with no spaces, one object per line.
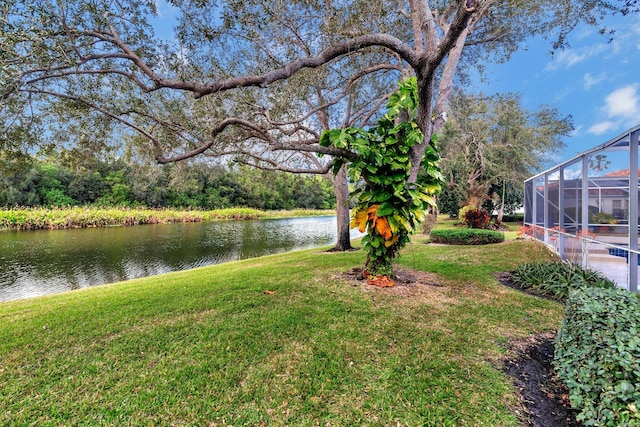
{"x":53,"y":181}
{"x":491,"y":145}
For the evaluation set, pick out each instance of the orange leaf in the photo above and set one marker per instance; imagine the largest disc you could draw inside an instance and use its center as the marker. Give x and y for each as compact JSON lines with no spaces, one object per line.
{"x":372,"y":213}
{"x":267,"y":292}
{"x":359,"y":220}
{"x":382,"y":227}
{"x":388,"y":243}
{"x":381,"y":282}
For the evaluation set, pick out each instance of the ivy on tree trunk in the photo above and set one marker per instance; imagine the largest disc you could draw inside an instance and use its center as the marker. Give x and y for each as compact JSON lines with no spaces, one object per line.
{"x":389,"y":205}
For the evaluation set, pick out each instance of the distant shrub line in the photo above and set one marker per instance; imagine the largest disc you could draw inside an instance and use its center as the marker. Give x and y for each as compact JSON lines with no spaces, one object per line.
{"x":511,"y":218}
{"x":82,"y":217}
{"x":466,"y":236}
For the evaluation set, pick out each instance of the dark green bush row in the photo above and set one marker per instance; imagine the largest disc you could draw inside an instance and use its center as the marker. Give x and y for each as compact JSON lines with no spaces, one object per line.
{"x":466,"y":236}
{"x":556,"y":279}
{"x":510,"y":218}
{"x":598,"y":356}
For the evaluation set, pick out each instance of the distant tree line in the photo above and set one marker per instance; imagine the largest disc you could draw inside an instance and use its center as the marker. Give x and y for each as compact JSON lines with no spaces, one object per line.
{"x":55,"y":180}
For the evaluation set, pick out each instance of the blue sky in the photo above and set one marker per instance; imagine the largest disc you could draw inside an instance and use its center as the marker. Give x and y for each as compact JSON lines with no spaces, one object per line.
{"x":595,"y":81}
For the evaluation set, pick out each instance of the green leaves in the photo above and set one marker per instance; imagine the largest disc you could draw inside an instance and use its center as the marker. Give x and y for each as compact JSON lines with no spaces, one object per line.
{"x":598,"y":356}
{"x":389,"y":208}
{"x":385,"y":209}
{"x":406,"y":98}
{"x":339,"y":138}
{"x":558,"y":279}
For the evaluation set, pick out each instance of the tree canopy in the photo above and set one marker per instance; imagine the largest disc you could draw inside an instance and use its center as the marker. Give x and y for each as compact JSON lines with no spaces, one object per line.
{"x":83,"y":71}
{"x":490,"y":145}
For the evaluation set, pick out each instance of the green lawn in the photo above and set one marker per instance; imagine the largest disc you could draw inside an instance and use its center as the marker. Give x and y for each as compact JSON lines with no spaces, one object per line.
{"x":209,"y":347}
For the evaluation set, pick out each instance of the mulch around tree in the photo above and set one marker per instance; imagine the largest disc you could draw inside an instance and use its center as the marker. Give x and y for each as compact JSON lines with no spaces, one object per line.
{"x":544,"y":399}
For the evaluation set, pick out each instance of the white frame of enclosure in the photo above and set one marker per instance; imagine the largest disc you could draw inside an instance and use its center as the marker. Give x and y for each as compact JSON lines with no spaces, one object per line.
{"x":550,"y":220}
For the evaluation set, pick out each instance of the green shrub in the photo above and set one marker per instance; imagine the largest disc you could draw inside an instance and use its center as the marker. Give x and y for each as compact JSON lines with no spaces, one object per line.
{"x":462,"y":213}
{"x":518,"y":217}
{"x":557,"y":279}
{"x":598,"y":356}
{"x":466,"y":236}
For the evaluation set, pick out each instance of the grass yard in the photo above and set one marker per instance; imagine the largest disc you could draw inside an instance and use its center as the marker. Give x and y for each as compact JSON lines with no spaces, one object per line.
{"x":209,"y":347}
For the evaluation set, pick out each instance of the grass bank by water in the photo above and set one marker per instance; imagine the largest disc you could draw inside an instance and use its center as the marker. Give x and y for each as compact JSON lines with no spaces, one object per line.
{"x":80,"y":217}
{"x":210,"y":347}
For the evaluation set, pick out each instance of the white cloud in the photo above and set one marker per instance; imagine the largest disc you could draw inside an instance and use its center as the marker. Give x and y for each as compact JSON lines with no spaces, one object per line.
{"x":577,"y":131}
{"x":602,"y":127}
{"x":621,"y":108}
{"x":165,"y":10}
{"x":553,"y":176}
{"x":569,"y":58}
{"x":573,"y":173}
{"x":591,"y":80}
{"x":623,"y":103}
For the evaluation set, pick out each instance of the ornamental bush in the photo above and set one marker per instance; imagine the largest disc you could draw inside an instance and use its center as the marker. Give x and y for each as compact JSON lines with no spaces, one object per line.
{"x":597,"y":356}
{"x":557,"y":279}
{"x":462,"y":213}
{"x":476,"y":218}
{"x":466,"y":236}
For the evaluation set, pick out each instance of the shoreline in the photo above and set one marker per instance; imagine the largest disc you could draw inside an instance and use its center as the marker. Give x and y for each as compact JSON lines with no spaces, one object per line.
{"x":25,"y":219}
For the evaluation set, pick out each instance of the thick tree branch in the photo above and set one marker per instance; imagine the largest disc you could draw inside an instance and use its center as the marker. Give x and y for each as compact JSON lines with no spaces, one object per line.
{"x":428,"y":63}
{"x":215,"y":132}
{"x":101,"y":110}
{"x":266,"y":163}
{"x":332,"y":52}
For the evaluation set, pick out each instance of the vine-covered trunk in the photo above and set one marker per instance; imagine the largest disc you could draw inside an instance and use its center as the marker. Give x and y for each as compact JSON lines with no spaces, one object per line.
{"x":383,"y":262}
{"x":386,"y":208}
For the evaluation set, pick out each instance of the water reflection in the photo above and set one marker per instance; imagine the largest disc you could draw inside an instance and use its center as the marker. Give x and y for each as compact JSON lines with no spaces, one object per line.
{"x":49,"y":261}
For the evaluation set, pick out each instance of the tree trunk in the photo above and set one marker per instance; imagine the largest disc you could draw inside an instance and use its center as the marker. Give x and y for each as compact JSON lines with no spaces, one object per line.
{"x":501,"y":211}
{"x":428,"y":124}
{"x":341,"y":188}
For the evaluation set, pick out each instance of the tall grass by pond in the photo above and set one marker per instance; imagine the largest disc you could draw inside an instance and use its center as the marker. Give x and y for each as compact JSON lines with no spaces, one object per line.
{"x":280,"y":340}
{"x":80,"y":217}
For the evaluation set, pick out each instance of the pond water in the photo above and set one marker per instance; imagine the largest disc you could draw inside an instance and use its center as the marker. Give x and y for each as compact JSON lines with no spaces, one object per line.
{"x":34,"y":263}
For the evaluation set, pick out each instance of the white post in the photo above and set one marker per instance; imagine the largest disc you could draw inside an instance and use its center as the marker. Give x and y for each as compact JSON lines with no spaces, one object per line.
{"x":633,"y":211}
{"x":585,"y":204}
{"x":561,"y":212}
{"x":545,"y":209}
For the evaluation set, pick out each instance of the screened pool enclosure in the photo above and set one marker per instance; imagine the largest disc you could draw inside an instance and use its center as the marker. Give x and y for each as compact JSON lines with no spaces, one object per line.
{"x":586,"y":209}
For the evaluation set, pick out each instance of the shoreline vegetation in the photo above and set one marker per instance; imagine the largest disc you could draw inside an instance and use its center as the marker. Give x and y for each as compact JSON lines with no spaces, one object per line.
{"x":287,"y":339}
{"x":85,"y":217}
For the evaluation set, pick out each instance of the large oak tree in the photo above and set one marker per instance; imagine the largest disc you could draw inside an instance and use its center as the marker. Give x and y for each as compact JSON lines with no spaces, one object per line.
{"x":255,"y":78}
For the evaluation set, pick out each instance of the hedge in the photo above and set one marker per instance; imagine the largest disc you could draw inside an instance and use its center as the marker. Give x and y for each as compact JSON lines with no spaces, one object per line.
{"x":466,"y":236}
{"x":598,"y":356}
{"x":518,"y":217}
